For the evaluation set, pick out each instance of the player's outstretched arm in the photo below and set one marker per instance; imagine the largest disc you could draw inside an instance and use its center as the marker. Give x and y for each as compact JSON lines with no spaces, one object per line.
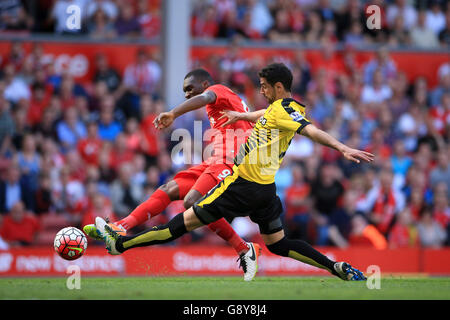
{"x":165,"y":119}
{"x":234,"y":116}
{"x":320,"y":136}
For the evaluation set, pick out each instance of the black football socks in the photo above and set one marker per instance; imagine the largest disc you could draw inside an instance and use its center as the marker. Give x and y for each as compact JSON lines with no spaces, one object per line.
{"x":302,"y":251}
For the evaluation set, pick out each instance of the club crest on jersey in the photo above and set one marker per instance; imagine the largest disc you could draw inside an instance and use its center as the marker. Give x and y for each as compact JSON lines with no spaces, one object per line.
{"x":296,"y":116}
{"x":263,"y":121}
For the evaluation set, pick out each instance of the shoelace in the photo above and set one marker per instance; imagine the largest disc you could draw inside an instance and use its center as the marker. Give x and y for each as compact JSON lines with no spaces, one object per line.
{"x":242,"y":263}
{"x":357,"y":275}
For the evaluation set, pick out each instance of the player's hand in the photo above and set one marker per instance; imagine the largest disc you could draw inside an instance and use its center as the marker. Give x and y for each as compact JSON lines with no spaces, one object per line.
{"x":232,"y":116}
{"x":357,"y":156}
{"x":164,"y":120}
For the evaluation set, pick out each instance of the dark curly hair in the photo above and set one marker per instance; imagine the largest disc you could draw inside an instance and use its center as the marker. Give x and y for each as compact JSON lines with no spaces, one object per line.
{"x":277,"y":72}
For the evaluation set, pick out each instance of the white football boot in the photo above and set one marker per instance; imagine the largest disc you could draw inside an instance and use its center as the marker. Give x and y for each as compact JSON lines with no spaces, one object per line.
{"x":107,"y":234}
{"x":249,"y":261}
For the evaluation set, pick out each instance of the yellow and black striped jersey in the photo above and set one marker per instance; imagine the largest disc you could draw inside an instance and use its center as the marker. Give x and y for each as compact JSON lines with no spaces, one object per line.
{"x":259,"y":159}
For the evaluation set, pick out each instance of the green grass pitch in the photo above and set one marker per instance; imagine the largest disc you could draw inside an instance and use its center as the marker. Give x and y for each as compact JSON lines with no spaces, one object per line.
{"x":225,"y":288}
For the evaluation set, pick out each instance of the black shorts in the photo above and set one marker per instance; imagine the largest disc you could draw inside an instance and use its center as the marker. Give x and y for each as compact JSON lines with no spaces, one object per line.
{"x":236,"y":197}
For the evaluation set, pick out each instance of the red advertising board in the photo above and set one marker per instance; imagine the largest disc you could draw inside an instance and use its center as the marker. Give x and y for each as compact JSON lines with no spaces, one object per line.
{"x":79,"y":58}
{"x":214,"y":261}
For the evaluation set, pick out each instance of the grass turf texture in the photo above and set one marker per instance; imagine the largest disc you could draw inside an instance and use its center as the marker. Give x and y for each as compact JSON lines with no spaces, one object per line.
{"x":225,"y":288}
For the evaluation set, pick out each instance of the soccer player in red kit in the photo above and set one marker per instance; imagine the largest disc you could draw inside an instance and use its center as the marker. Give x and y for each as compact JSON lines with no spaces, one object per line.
{"x":191,"y":184}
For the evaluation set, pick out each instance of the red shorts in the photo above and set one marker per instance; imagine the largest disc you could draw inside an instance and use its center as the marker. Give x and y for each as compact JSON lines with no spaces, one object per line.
{"x":202,"y":177}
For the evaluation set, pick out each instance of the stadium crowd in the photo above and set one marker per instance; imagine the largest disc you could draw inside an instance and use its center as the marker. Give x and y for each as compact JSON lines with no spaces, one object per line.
{"x":418,"y":23}
{"x":71,"y":151}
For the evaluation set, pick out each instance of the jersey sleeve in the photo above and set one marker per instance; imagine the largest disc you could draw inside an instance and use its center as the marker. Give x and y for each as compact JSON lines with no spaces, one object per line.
{"x":291,"y":118}
{"x":219,"y":92}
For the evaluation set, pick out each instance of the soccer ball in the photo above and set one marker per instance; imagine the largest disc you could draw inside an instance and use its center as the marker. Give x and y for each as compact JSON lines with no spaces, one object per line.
{"x":70,"y":243}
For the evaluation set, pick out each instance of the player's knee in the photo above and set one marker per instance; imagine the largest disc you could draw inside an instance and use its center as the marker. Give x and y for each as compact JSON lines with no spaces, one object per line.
{"x":279,"y":248}
{"x":188,"y":203}
{"x":171,"y":189}
{"x":191,"y":198}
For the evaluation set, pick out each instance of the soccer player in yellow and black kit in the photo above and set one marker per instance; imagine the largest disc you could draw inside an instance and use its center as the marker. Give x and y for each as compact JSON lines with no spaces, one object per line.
{"x":250,"y":190}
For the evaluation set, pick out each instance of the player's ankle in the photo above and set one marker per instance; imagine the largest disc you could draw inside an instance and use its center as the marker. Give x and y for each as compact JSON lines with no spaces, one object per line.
{"x":128,"y":222}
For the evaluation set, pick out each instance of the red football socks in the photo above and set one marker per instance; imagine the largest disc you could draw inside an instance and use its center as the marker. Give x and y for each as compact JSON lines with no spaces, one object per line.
{"x":227,"y":233}
{"x":153,"y":206}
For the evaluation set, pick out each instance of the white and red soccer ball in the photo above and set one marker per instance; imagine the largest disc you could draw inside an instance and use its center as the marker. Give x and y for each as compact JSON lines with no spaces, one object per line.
{"x":70,"y":243}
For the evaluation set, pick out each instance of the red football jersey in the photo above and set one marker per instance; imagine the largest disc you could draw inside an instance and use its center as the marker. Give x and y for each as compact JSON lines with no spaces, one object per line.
{"x":226,"y":140}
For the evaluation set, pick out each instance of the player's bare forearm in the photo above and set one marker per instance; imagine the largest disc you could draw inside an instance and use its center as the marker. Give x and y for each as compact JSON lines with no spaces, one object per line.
{"x":165,"y":119}
{"x":234,"y":116}
{"x":322,"y":137}
{"x":194,"y":103}
{"x":255,"y":115}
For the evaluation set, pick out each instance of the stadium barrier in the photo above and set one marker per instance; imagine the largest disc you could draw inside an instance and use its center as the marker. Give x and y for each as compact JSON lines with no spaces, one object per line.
{"x":79,"y":57}
{"x":214,"y":261}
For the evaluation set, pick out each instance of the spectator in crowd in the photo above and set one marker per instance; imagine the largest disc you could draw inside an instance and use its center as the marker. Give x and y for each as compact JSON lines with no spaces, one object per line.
{"x":441,"y":208}
{"x":19,"y":227}
{"x":365,"y":234}
{"x":431,"y":233}
{"x":383,"y":62}
{"x":13,"y":16}
{"x":105,"y":73}
{"x":403,"y":9}
{"x":404,"y":233}
{"x":125,"y":196}
{"x":70,"y":129}
{"x":326,"y":191}
{"x":109,"y":8}
{"x":205,"y":26}
{"x":399,"y":35}
{"x":100,"y":206}
{"x":108,"y":127}
{"x":7,"y":126}
{"x":149,"y":20}
{"x":282,"y":31}
{"x":444,"y":35}
{"x":443,"y":86}
{"x":100,"y":26}
{"x":400,"y":161}
{"x":29,"y":161}
{"x":127,"y":24}
{"x":377,"y":91}
{"x":422,"y":35}
{"x":387,"y":203}
{"x":40,"y":99}
{"x":68,"y":193}
{"x":141,"y":77}
{"x":90,"y":147}
{"x":441,"y":173}
{"x":120,"y":152}
{"x":298,"y":206}
{"x":43,"y":194}
{"x":15,"y":87}
{"x":435,"y":18}
{"x":313,"y":27}
{"x":261,"y":19}
{"x":13,"y":189}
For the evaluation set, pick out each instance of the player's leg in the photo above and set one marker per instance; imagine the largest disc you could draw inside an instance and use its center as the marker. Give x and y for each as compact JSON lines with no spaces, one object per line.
{"x":224,"y":201}
{"x":175,"y":228}
{"x":300,"y":250}
{"x":153,"y":206}
{"x":175,"y":189}
{"x":268,"y":219}
{"x":221,"y":227}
